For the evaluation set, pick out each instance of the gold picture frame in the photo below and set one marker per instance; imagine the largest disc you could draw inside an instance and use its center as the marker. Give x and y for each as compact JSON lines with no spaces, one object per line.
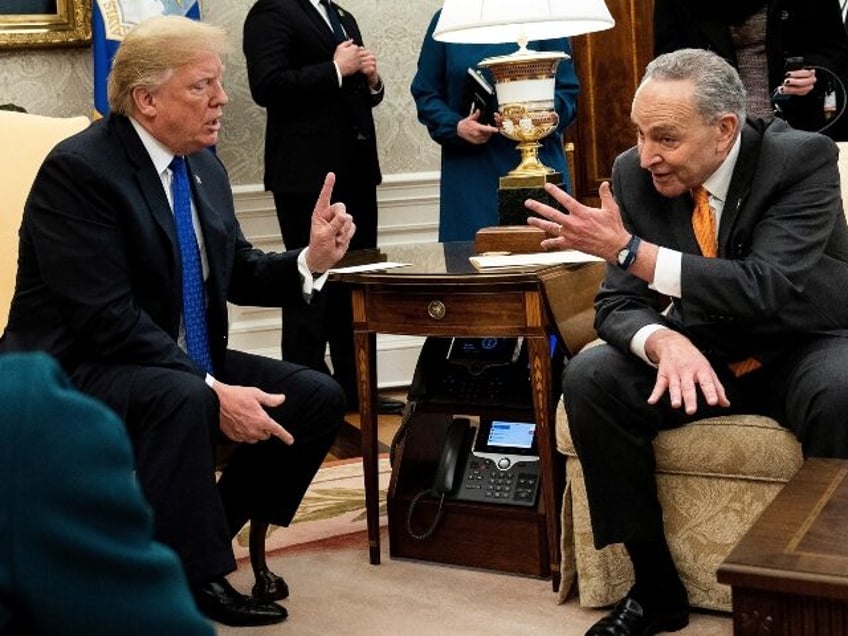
{"x":69,"y":25}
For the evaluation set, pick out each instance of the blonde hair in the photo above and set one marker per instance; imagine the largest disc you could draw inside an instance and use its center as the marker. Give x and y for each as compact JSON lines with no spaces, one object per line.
{"x":153,"y":49}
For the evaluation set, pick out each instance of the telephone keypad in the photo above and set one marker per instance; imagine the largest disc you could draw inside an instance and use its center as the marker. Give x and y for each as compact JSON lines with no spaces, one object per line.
{"x":484,"y":482}
{"x":471,"y":388}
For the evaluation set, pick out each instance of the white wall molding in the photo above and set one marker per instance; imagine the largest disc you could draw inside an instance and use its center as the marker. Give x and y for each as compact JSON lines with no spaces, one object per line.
{"x":409,"y":214}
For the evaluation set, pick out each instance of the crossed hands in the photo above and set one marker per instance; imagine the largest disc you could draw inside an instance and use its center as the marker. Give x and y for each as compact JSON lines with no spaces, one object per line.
{"x":352,"y":58}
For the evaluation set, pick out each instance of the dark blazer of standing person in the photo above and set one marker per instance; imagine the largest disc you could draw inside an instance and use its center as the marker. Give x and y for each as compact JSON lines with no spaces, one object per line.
{"x":71,"y":513}
{"x":812,"y":29}
{"x":99,"y":286}
{"x":318,"y":89}
{"x":753,"y":319}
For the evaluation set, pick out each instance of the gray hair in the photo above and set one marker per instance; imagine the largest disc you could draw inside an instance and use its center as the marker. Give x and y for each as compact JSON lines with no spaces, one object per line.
{"x":153,"y":49}
{"x":718,"y":87}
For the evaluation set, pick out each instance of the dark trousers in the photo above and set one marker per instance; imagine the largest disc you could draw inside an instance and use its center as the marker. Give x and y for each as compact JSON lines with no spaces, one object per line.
{"x":612,"y":426}
{"x":328,"y":318}
{"x":173,"y":421}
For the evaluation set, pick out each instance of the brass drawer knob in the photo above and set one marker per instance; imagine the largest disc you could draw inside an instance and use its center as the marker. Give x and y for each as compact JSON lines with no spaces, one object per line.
{"x":436,"y":309}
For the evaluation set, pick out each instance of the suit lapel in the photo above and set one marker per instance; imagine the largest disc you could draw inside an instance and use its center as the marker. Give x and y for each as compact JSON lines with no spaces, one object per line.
{"x":740,"y":184}
{"x":149,"y":182}
{"x":322,"y":29}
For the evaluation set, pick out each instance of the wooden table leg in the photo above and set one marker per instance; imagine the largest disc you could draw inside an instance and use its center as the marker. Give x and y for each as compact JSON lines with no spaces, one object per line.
{"x":365,"y":345}
{"x":539,"y":354}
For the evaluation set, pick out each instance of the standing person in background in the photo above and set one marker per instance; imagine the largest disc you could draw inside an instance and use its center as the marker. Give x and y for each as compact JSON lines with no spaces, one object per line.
{"x":757,"y":37}
{"x":308,"y":67}
{"x":475,"y":155}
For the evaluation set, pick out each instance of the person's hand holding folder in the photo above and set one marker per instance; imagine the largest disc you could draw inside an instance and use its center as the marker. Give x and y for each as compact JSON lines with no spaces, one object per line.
{"x":480,"y":107}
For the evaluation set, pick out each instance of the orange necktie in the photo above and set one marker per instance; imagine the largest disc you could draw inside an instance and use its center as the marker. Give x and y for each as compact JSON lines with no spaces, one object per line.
{"x":704,"y":225}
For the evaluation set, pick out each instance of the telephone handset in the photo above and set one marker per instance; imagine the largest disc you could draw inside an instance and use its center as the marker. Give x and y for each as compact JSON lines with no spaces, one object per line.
{"x":448,"y":474}
{"x":453,"y":457}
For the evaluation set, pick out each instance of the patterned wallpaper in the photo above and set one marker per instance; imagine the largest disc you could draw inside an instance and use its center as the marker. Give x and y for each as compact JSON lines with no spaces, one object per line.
{"x":58,"y":82}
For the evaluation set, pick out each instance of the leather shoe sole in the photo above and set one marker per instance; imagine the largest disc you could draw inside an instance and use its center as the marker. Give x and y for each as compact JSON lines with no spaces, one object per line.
{"x":219,"y":601}
{"x":628,"y":618}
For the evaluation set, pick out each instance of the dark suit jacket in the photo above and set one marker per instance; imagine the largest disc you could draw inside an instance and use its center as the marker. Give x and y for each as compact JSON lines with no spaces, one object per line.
{"x":77,"y":534}
{"x":782,"y":271}
{"x":313,"y":124}
{"x":98,"y":277}
{"x":812,"y":29}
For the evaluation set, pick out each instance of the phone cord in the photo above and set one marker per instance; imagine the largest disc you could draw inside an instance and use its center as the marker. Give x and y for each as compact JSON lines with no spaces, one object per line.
{"x":429,"y":531}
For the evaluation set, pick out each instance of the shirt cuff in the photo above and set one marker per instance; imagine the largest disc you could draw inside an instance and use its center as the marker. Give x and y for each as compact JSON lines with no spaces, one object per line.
{"x":637,"y":343}
{"x":667,"y":273}
{"x":210,"y":381}
{"x":309,"y":283}
{"x":338,"y":74}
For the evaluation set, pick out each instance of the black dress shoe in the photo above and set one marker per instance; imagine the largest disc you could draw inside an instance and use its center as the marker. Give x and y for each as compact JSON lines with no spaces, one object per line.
{"x":218,"y":600}
{"x":389,"y":406}
{"x":628,"y":618}
{"x":269,"y":586}
{"x":385,"y":405}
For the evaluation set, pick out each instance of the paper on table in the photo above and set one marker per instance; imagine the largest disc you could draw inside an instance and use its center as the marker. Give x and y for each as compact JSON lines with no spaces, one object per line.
{"x":367,"y":267}
{"x":530,"y":260}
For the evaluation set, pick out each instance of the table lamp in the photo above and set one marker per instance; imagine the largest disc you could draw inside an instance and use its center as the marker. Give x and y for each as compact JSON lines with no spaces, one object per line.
{"x":525,"y":79}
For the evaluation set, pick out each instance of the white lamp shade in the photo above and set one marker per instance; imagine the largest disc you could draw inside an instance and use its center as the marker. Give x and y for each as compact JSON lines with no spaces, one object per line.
{"x":491,"y":21}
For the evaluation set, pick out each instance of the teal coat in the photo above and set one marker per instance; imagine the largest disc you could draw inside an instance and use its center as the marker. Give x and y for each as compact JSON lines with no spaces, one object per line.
{"x":76,"y":534}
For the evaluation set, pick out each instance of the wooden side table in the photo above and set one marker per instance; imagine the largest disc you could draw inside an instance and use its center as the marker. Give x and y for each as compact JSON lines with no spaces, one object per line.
{"x":460,"y":301}
{"x":789,"y":573}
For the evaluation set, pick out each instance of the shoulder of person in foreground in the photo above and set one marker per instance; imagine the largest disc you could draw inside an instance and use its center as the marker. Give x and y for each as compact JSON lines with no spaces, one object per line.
{"x":73,"y":519}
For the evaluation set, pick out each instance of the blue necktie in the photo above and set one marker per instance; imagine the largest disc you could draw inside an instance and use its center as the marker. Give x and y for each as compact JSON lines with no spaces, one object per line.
{"x":194,"y":294}
{"x":335,"y":21}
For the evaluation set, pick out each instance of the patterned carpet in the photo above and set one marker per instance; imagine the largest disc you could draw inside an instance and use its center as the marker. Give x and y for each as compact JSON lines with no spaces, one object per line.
{"x":334,"y":506}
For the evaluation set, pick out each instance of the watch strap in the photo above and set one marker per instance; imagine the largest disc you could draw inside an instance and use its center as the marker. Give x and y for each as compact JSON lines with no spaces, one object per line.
{"x":632,"y":248}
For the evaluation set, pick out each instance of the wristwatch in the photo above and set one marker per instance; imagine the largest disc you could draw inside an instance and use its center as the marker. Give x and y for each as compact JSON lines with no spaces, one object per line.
{"x":627,"y":255}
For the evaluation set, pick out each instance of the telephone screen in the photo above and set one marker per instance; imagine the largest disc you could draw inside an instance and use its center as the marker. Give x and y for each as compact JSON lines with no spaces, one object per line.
{"x":506,"y":437}
{"x":511,"y":434}
{"x":484,"y":350}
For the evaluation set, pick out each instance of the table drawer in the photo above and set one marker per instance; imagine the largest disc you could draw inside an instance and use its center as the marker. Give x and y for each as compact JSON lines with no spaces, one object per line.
{"x":460,"y":313}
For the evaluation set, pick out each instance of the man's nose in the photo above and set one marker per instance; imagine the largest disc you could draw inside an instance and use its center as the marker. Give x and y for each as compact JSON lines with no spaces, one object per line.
{"x":220,"y":97}
{"x":648,"y":155}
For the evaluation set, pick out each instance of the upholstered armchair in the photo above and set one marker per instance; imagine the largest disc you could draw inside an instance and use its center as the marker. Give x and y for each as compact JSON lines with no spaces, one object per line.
{"x":714,"y":478}
{"x":25,"y":139}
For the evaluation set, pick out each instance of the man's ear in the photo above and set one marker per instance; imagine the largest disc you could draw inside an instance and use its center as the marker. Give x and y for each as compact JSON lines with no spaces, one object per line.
{"x":728,"y":128}
{"x":145,"y":101}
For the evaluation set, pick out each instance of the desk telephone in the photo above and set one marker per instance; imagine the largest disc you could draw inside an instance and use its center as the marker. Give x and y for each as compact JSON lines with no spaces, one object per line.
{"x":497,"y":462}
{"x":463,"y":371}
